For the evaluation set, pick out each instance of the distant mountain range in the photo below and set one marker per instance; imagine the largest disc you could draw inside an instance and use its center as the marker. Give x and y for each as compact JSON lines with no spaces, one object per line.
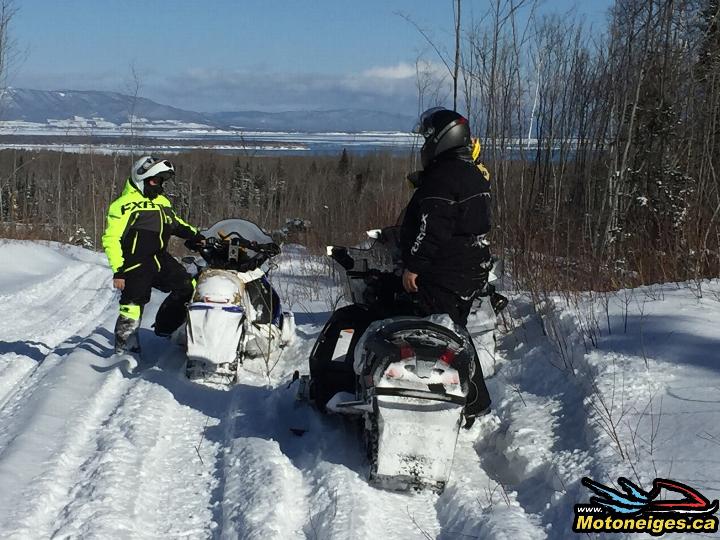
{"x":41,"y":106}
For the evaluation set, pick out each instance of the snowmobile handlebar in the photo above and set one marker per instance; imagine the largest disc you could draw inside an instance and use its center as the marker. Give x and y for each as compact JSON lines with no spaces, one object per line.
{"x":234,"y":239}
{"x":233,"y":252}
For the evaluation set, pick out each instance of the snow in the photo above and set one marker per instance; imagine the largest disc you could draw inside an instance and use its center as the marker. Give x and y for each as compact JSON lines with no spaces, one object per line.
{"x":192,"y":136}
{"x":96,"y":446}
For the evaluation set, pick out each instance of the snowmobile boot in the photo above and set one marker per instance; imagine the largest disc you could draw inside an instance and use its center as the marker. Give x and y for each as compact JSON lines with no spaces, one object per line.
{"x":470,"y":418}
{"x":126,"y":336}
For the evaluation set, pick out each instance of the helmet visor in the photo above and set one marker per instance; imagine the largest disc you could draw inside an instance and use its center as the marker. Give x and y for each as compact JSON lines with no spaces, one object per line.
{"x":424,"y":125}
{"x":161,"y":177}
{"x":150,"y":162}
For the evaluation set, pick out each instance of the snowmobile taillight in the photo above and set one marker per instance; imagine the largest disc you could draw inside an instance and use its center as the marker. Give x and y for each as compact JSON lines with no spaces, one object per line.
{"x":407,"y":353}
{"x":215,"y":300}
{"x":448,"y":356}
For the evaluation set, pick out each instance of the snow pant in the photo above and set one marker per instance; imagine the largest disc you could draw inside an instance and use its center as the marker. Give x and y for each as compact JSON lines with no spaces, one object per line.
{"x":164,"y":273}
{"x":431,"y":299}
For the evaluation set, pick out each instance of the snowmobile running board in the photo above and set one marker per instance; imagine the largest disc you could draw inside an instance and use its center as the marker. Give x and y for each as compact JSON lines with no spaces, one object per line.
{"x":360,"y":406}
{"x":420,"y":394}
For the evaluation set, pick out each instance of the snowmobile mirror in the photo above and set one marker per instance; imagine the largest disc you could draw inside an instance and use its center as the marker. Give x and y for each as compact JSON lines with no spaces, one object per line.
{"x":374,"y":233}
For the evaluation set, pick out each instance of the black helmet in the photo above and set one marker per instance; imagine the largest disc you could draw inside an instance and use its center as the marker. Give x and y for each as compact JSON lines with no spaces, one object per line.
{"x":443,"y":130}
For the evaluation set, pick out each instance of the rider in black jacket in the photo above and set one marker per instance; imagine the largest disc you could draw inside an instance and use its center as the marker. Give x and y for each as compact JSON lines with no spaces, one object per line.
{"x":446,"y":256}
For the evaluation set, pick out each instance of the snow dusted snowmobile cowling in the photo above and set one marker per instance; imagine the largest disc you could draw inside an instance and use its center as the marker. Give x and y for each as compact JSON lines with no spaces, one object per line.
{"x":406,"y":376}
{"x":234,"y":314}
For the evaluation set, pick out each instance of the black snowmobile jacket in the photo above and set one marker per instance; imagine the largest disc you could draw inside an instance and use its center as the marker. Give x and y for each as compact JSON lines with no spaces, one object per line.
{"x":138,"y":230}
{"x":442,"y":234}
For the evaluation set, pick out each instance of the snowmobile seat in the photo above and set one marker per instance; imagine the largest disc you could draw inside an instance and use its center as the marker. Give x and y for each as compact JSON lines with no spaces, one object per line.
{"x":331,"y":365}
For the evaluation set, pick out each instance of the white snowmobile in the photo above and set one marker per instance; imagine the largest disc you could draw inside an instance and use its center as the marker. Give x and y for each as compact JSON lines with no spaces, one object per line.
{"x":234,"y":314}
{"x":407,"y":377}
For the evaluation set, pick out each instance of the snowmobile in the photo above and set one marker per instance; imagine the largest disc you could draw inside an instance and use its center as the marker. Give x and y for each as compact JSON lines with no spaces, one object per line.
{"x":234,"y":314}
{"x":406,"y":377}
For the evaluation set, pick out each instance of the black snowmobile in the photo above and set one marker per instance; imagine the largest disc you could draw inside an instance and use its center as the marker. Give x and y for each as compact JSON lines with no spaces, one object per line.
{"x":406,"y":376}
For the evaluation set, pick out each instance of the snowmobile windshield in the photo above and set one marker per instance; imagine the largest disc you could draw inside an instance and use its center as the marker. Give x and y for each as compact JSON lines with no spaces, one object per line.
{"x":380,"y":254}
{"x":246,"y":229}
{"x":370,"y":269}
{"x":228,"y":246}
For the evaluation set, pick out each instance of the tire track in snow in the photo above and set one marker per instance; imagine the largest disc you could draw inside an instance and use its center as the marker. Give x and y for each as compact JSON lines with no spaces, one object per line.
{"x":260,"y":494}
{"x":49,"y":437}
{"x":473,"y":504}
{"x":33,"y":378}
{"x":36,"y":384}
{"x":61,"y":315}
{"x":79,"y":293}
{"x":14,"y":369}
{"x":144,"y":478}
{"x":279,"y":485}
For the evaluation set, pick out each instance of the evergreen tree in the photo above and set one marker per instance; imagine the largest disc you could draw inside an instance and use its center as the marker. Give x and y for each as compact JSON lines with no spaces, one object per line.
{"x":343,"y":166}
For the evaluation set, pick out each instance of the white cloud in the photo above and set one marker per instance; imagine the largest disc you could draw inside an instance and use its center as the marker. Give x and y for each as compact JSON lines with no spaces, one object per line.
{"x":390,"y":88}
{"x":399,"y":71}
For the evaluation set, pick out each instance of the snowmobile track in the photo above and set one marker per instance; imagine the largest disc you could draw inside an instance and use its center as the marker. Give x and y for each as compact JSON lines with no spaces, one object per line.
{"x":49,"y":493}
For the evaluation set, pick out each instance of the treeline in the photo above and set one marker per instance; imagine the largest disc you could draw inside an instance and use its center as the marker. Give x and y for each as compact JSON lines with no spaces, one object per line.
{"x":63,"y":196}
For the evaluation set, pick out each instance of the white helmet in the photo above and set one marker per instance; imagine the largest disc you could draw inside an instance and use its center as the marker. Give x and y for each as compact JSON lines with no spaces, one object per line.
{"x":149,"y":167}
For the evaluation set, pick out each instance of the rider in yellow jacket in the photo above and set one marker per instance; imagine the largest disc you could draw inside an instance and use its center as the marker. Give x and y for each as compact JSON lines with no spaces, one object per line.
{"x":139,"y":225}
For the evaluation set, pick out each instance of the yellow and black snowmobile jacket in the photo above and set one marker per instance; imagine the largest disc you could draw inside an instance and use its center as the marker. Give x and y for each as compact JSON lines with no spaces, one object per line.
{"x":138,"y":229}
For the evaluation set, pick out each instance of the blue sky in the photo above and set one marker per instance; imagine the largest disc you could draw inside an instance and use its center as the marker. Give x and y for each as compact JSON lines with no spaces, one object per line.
{"x":267,"y":55}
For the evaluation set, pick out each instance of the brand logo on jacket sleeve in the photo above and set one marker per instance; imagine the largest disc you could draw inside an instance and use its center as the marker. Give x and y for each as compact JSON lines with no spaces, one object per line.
{"x":421,"y":235}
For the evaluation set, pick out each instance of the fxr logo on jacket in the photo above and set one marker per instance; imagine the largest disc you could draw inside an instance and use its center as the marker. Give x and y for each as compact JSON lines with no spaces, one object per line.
{"x":137,"y":205}
{"x":421,"y":235}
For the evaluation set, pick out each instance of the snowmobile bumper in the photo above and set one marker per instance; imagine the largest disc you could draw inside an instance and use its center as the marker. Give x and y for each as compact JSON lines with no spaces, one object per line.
{"x":416,"y":439}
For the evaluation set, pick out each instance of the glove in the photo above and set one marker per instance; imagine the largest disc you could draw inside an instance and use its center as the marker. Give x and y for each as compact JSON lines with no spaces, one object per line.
{"x":273,"y":249}
{"x":196,"y":242}
{"x":414,"y":179}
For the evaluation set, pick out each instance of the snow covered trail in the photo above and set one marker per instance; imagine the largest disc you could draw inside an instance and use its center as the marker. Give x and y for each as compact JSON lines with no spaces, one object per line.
{"x":281,"y":485}
{"x":59,"y":285}
{"x":94,"y":446}
{"x":90,"y":446}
